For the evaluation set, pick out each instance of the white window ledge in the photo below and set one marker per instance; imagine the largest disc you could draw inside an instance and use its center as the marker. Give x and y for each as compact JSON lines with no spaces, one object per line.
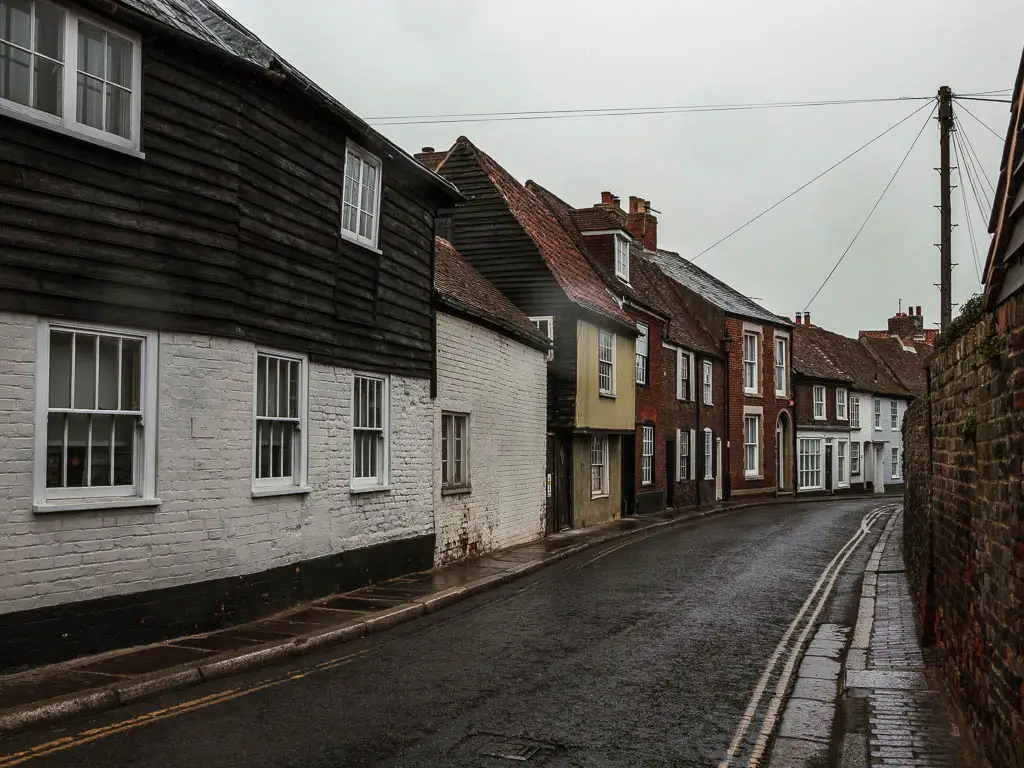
{"x":751,"y":393}
{"x":350,"y":238}
{"x":290,"y":490}
{"x":599,"y":496}
{"x":82,"y":505}
{"x":52,"y":125}
{"x":608,"y":394}
{"x":456,"y":491}
{"x":370,"y":489}
{"x":755,"y":476}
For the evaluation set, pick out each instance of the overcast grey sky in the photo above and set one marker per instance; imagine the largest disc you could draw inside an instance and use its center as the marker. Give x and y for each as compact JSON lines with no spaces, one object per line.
{"x":706,"y":173}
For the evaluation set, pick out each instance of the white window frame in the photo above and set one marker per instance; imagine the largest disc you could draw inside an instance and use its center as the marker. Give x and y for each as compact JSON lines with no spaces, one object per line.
{"x":296,"y":481}
{"x":709,"y":459}
{"x":841,"y":458}
{"x":68,"y":123}
{"x":841,"y":407}
{"x":647,"y":455}
{"x":707,"y":383}
{"x":878,"y":413}
{"x":754,"y":471}
{"x":354,"y":236}
{"x":818,"y":394}
{"x":608,"y":391}
{"x":546,"y":325}
{"x":854,"y":411}
{"x":599,"y":447}
{"x":684,"y":363}
{"x":752,"y":366}
{"x":381,"y":480}
{"x":894,"y":415}
{"x":448,"y":483}
{"x":683,"y":459}
{"x":143,"y":492}
{"x":781,"y":379}
{"x":622,"y":257}
{"x":894,"y":470}
{"x":855,"y":458}
{"x":810,"y":475}
{"x":643,"y":358}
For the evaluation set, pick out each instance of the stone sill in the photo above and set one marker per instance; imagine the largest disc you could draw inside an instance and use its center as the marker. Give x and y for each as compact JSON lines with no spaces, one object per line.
{"x":291,"y":490}
{"x":456,"y":491}
{"x":80,"y":505}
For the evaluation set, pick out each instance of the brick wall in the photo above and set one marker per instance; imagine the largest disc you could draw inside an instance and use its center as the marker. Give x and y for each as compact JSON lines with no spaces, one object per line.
{"x":965,"y":525}
{"x":208,"y":525}
{"x":502,"y":385}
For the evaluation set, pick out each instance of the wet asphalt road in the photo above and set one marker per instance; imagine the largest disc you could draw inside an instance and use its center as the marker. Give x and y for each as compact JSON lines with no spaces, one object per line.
{"x":643,"y":655}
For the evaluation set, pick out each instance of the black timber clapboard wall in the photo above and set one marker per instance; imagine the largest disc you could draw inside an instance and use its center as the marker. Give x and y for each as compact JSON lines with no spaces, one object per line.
{"x":490,"y":237}
{"x":229,"y":226}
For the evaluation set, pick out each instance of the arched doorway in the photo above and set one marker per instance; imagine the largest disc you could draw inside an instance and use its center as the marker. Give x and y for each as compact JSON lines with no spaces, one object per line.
{"x":784,"y":452}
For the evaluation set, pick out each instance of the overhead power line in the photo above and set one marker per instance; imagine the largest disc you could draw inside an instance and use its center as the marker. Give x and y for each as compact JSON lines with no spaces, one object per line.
{"x":559,"y":114}
{"x":804,"y":186}
{"x":979,"y":167}
{"x":985,"y":98}
{"x":978,"y":196}
{"x":967,"y":213}
{"x":979,"y":120}
{"x":872,"y":211}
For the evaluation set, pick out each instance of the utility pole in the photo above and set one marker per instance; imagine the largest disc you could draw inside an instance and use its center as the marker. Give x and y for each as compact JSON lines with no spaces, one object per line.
{"x":945,"y":207}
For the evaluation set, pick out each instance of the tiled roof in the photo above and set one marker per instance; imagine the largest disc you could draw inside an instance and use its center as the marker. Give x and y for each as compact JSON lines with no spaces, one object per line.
{"x":648,"y":287}
{"x":723,"y":296}
{"x":929,"y":335}
{"x":567,"y":263}
{"x":208,"y":23}
{"x":821,"y":354}
{"x":599,"y":218}
{"x":431,"y":160}
{"x":904,"y":359}
{"x":462,"y":288}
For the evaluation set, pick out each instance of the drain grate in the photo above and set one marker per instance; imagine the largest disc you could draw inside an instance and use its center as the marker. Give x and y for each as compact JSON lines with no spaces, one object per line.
{"x":493,"y":750}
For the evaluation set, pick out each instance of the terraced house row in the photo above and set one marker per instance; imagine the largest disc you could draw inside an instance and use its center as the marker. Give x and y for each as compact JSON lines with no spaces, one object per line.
{"x":252,"y":352}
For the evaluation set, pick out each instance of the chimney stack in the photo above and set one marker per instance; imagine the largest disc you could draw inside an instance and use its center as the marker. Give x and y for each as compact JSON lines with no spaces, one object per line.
{"x":807,"y":318}
{"x":427,"y":149}
{"x":641,"y":223}
{"x":797,"y":317}
{"x":606,"y":198}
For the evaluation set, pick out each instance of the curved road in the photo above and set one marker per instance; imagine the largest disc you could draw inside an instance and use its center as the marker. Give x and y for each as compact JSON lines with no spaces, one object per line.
{"x":636,"y":655}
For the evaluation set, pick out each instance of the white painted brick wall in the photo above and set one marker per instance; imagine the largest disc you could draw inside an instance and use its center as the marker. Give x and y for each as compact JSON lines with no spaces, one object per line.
{"x":208,"y":525}
{"x":502,"y":384}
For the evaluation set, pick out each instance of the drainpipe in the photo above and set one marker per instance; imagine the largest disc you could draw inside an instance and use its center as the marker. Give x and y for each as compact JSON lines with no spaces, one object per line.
{"x":696,"y":400}
{"x":792,"y":421}
{"x":727,"y":485}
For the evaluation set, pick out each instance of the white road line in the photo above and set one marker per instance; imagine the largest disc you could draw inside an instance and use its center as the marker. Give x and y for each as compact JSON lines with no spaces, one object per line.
{"x":772,"y":714}
{"x":762,"y":683}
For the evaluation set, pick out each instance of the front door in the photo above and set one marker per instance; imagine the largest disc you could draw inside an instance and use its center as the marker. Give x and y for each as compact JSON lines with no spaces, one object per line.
{"x":558,"y":480}
{"x":628,"y":453}
{"x":718,"y":475}
{"x":780,"y":473}
{"x":828,"y":468}
{"x":670,"y":473}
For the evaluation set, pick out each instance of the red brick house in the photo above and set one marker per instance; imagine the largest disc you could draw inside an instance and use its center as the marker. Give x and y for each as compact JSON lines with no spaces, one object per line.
{"x":679,"y":368}
{"x":759,"y":452}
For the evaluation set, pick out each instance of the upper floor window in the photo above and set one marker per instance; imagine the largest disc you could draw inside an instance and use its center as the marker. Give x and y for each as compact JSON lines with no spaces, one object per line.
{"x":684,"y":375}
{"x":622,"y":257}
{"x":96,"y":415}
{"x":279,"y":416}
{"x":751,"y":366}
{"x":854,"y":412}
{"x":841,"y":404}
{"x":878,"y":413}
{"x":894,"y":414}
{"x":819,"y":402}
{"x":707,"y":383}
{"x":606,"y":363}
{"x":546,"y":325}
{"x":642,"y":354}
{"x":70,"y":72}
{"x":361,"y":196}
{"x":780,"y":365}
{"x":647,"y":456}
{"x":370,"y":409}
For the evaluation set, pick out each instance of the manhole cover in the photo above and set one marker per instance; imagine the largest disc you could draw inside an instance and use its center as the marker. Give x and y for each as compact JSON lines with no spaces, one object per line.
{"x":492,"y":750}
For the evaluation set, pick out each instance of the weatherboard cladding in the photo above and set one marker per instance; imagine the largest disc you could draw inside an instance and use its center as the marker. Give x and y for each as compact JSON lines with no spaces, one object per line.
{"x":724,"y":297}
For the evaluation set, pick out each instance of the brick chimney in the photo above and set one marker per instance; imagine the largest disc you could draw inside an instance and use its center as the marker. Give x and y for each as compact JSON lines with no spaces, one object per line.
{"x":908,"y":324}
{"x":796,"y":318}
{"x":641,"y":223}
{"x":807,"y":318}
{"x":610,"y":200}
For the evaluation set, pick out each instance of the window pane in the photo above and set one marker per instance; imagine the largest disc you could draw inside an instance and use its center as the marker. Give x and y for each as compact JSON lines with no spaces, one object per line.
{"x":91,"y":49}
{"x":90,"y":101}
{"x":55,"y":450}
{"x":16,"y":22}
{"x":15,"y":68}
{"x":48,"y":87}
{"x":131,"y":375}
{"x":261,"y":385}
{"x":85,"y":371}
{"x":272,"y":382}
{"x":119,"y":60}
{"x":119,"y":111}
{"x":49,"y":31}
{"x":366,"y":225}
{"x":78,"y":446}
{"x":263,"y":435}
{"x":102,"y":427}
{"x":285,"y":437}
{"x":108,"y":373}
{"x":124,"y":450}
{"x":284,"y":389}
{"x":60,"y":370}
{"x":293,"y":394}
{"x":348,"y":217}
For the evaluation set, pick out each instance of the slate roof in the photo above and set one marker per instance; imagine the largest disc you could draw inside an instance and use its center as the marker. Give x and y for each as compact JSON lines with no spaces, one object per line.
{"x":459,"y":286}
{"x":907,"y":366}
{"x":648,"y":287}
{"x":207,"y":23}
{"x":570,"y":267}
{"x":821,"y":354}
{"x":723,"y":296}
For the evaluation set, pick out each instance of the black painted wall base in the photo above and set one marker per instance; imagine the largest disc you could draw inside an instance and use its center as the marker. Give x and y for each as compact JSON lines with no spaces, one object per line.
{"x":650,"y":501}
{"x":61,"y":632}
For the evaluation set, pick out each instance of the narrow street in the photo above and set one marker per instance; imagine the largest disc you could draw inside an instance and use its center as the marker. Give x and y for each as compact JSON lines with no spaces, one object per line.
{"x":643,"y":652}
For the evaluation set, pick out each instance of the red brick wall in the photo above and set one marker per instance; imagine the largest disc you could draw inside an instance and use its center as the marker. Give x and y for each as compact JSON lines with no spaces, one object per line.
{"x":767,"y":400}
{"x":805,"y":404}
